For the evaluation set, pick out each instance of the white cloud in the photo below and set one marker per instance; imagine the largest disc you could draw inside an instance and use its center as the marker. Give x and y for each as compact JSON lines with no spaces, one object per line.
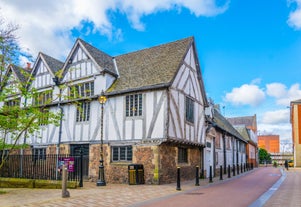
{"x":246,"y":94}
{"x":46,"y":25}
{"x":294,"y":19}
{"x":283,"y":95}
{"x":276,"y":117}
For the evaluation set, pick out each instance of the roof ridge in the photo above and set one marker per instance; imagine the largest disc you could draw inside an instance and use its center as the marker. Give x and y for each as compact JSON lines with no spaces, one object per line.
{"x":156,"y":46}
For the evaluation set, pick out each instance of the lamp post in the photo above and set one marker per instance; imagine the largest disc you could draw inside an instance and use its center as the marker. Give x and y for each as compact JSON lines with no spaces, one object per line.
{"x":101,"y":173}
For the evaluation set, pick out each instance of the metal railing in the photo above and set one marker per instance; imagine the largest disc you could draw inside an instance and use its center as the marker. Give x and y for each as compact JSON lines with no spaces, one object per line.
{"x":43,"y":167}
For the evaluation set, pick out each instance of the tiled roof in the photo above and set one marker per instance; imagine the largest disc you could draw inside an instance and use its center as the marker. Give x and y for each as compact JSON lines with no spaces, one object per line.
{"x":104,"y":60}
{"x":243,"y":131}
{"x":22,"y":74}
{"x":54,"y":64}
{"x":225,"y":125}
{"x":244,"y":120}
{"x":150,"y":68}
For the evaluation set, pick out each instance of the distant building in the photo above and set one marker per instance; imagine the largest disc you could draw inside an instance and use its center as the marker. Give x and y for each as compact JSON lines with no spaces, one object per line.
{"x":247,"y":127}
{"x":296,"y":126}
{"x":271,"y":143}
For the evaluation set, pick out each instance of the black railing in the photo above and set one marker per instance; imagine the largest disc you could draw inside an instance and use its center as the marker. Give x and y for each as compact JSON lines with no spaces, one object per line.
{"x":46,"y":167}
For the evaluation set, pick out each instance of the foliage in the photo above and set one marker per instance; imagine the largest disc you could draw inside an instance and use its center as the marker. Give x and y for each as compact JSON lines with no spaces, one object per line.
{"x":22,"y":112}
{"x":264,"y":156}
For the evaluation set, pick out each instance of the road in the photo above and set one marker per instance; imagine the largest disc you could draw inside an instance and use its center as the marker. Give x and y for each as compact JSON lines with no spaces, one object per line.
{"x":239,"y":192}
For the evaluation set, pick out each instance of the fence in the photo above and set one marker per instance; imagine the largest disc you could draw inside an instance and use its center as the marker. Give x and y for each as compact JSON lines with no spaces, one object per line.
{"x":46,"y":167}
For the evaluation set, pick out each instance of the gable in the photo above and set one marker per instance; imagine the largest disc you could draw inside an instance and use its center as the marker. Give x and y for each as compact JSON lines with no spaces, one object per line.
{"x":42,"y":77}
{"x":85,"y":60}
{"x":12,"y":82}
{"x":188,"y":77}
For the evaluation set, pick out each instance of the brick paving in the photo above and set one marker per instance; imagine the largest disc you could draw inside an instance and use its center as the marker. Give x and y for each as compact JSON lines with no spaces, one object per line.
{"x":141,"y":195}
{"x":289,"y":192}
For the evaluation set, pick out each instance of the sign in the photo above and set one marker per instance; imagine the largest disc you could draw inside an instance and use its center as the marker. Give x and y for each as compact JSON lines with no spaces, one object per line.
{"x":68,"y":161}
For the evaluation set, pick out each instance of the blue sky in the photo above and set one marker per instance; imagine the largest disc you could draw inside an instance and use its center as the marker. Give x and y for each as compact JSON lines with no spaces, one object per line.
{"x":248,"y":50}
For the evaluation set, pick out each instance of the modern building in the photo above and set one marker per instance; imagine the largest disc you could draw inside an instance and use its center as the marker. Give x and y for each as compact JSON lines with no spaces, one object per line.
{"x":295,"y":118}
{"x":271,"y":143}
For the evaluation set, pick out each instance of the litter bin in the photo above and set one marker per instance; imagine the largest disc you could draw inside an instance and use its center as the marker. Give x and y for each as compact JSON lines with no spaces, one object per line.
{"x":136,"y":174}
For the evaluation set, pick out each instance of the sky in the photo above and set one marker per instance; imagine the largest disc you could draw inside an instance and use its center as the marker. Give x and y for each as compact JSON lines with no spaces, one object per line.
{"x":248,"y":49}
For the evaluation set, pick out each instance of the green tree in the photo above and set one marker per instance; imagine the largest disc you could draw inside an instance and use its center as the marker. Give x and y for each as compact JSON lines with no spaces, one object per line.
{"x":264,"y":156}
{"x":18,"y":121}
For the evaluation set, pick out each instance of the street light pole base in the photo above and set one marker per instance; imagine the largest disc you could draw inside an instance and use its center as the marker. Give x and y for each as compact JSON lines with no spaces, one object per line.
{"x":101,"y":183}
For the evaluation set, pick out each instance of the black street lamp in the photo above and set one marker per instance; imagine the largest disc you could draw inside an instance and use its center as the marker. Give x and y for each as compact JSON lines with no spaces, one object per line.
{"x":101,"y":173}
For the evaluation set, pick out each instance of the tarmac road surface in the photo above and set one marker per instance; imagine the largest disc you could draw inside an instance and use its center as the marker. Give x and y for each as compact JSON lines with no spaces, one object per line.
{"x":238,"y":192}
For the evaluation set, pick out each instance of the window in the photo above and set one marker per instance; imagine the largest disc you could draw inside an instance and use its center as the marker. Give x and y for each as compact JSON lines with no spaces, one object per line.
{"x":82,"y":90}
{"x":43,"y":118}
{"x":43,"y":98}
{"x":83,"y":112}
{"x":218,"y":141}
{"x":13,"y":102}
{"x":122,"y":153}
{"x":189,"y":110}
{"x":39,"y":153}
{"x":133,"y":105}
{"x":182,"y":155}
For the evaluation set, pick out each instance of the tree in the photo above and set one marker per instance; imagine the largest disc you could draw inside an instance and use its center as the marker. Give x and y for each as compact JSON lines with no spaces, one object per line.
{"x":264,"y":156}
{"x":18,"y":119}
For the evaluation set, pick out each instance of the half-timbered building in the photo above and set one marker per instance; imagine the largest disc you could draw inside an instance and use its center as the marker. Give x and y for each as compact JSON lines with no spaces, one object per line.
{"x":154,"y":114}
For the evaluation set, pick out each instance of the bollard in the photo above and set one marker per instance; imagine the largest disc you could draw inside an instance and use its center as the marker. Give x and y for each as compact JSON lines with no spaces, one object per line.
{"x":233,"y":170}
{"x":229,"y":172}
{"x":197,"y":179}
{"x":202,"y":174}
{"x":237,"y":169}
{"x":221,"y":173}
{"x":65,"y":192}
{"x":241,"y":168}
{"x":81,"y":168}
{"x":210,"y":174}
{"x":245,"y":167}
{"x":178,"y":179}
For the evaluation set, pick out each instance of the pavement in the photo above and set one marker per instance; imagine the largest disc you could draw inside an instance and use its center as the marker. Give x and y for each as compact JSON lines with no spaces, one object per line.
{"x":147,"y":195}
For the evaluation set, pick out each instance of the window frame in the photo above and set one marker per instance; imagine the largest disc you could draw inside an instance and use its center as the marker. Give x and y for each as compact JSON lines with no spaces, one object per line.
{"x":128,"y":153}
{"x":39,"y":153}
{"x":134,"y":105}
{"x":189,"y":110}
{"x":182,"y":155}
{"x":43,"y":97}
{"x":83,"y":111}
{"x":82,"y":90}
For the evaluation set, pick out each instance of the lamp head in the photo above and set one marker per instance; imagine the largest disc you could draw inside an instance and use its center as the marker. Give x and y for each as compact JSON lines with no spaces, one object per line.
{"x":102,"y":98}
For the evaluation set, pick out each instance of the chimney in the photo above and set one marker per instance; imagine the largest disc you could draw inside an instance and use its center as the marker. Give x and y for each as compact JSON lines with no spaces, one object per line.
{"x":28,"y":65}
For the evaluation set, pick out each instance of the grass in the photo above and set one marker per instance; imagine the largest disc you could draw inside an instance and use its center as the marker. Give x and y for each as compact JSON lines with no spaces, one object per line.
{"x":2,"y":192}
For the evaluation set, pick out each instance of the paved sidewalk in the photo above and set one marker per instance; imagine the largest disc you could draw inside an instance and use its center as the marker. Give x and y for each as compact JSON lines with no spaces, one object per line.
{"x":111,"y":195}
{"x":289,"y":192}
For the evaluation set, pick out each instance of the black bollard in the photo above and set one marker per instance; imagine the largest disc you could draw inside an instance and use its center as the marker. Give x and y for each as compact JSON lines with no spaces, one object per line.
{"x":197,"y":179}
{"x":221,"y":173}
{"x":244,"y":167}
{"x":241,"y":168}
{"x":229,"y":172}
{"x":237,"y":169}
{"x":178,"y":179}
{"x":233,"y":170}
{"x":210,"y":175}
